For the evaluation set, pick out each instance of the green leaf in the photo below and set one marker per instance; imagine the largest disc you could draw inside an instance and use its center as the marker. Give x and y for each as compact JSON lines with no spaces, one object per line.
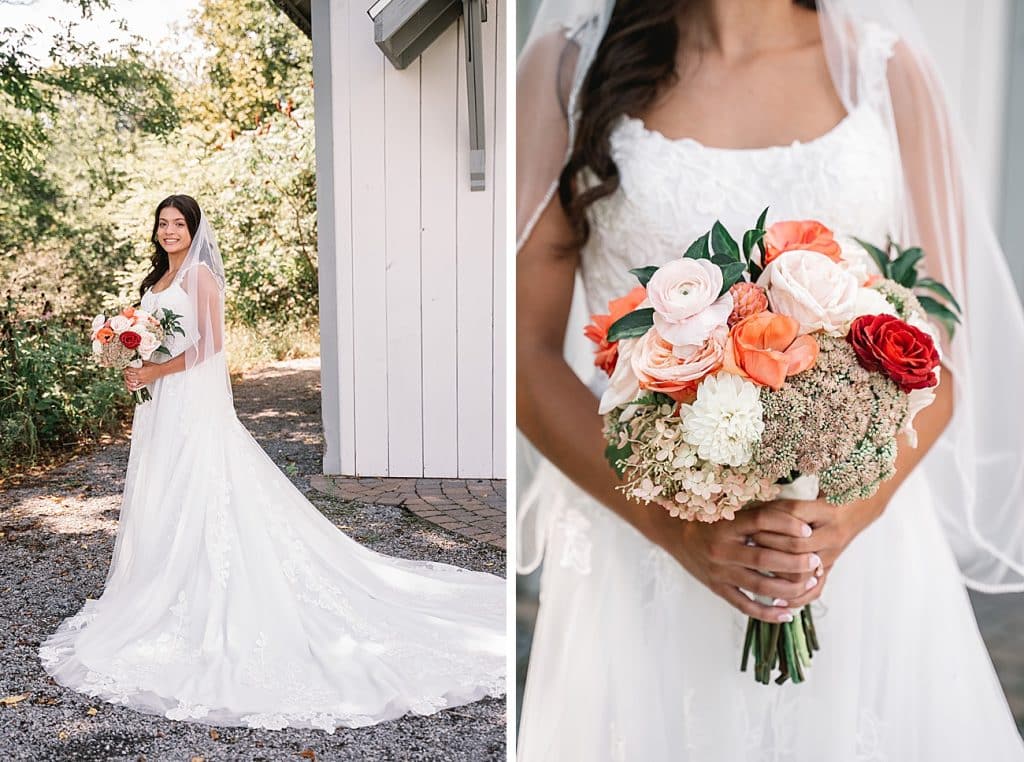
{"x":732,"y":273}
{"x":699,"y":248}
{"x":616,"y":455}
{"x":723,"y":243}
{"x":940,"y":312}
{"x":880,"y":257}
{"x":760,"y":242}
{"x":750,"y":239}
{"x":937,"y":288}
{"x":904,"y":269}
{"x":634,"y":324}
{"x":755,"y":271}
{"x":644,"y":274}
{"x":760,"y":220}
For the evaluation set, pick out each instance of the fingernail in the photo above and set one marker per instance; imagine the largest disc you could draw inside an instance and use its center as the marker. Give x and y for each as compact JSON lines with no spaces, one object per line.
{"x":812,"y":582}
{"x":780,"y":602}
{"x":787,"y":617}
{"x":815,"y":561}
{"x":805,"y":530}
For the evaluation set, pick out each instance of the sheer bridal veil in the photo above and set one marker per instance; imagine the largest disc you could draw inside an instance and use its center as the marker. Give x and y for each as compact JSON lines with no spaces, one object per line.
{"x":976,"y":470}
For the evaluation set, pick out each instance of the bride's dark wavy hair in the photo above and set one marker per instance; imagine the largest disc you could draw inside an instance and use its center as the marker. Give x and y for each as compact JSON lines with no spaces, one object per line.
{"x":634,"y":62}
{"x":159,"y":263}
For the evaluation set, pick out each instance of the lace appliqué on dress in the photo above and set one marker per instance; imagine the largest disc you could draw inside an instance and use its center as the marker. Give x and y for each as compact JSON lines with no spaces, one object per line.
{"x":576,"y":545}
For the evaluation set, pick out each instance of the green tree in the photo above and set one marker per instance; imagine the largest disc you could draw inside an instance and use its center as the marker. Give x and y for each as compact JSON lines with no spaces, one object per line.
{"x":90,"y":143}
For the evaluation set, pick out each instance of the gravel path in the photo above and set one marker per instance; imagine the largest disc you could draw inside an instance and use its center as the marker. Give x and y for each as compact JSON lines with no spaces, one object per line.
{"x":56,"y":537}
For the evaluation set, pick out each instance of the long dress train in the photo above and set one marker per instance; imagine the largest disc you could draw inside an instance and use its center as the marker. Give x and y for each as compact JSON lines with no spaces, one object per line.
{"x":231,"y":600}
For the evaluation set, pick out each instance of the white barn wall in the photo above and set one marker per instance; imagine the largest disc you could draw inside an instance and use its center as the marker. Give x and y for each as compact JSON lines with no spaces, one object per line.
{"x":412,"y":258}
{"x":440,"y":178}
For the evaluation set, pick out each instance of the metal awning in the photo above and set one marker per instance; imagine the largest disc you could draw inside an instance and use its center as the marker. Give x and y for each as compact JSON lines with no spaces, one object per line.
{"x":403,"y":29}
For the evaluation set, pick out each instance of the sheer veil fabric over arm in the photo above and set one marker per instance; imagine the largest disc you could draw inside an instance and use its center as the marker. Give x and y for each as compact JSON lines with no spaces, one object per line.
{"x":977,"y":468}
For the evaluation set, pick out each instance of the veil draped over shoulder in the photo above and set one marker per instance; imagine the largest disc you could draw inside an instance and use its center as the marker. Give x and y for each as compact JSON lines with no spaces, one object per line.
{"x":976,"y":469}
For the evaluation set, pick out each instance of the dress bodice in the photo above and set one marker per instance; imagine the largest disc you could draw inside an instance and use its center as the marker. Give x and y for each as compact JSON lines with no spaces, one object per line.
{"x":175,"y":299}
{"x":671,"y":191}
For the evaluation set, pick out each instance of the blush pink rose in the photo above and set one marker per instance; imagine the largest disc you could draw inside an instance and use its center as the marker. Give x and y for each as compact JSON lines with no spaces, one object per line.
{"x":813,"y":290}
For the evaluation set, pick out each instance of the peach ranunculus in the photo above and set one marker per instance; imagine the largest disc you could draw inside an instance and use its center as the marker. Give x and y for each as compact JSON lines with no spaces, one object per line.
{"x":607,"y":352}
{"x":800,"y":235}
{"x":767,"y":348}
{"x":128,"y":312}
{"x":676,"y":372}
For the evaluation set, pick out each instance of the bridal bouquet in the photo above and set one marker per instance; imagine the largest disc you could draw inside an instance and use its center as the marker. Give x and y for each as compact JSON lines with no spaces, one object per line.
{"x":131,"y":337}
{"x":784,"y":366}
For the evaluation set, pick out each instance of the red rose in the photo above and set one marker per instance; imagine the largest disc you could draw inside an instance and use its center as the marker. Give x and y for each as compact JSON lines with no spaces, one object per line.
{"x":904,"y":353}
{"x":130,"y":339}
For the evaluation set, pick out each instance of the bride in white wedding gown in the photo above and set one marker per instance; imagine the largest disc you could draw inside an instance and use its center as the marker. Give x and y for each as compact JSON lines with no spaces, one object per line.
{"x":230,"y":599}
{"x":637,"y":643}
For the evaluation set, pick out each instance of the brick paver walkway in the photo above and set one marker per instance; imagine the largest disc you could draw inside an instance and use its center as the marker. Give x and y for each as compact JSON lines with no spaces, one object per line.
{"x":474,"y":508}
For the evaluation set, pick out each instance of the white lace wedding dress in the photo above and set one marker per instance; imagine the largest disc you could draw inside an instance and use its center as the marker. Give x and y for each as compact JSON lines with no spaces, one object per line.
{"x":632,"y":658}
{"x":232,"y":601}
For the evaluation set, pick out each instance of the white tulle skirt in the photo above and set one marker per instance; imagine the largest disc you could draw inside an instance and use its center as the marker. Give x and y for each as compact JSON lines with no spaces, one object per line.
{"x":232,"y":601}
{"x":634,"y":660}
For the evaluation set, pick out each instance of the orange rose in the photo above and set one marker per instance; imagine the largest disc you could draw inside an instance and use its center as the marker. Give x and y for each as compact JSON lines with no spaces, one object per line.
{"x":800,"y":235}
{"x":607,"y":352}
{"x":766,"y":348}
{"x":105,"y":334}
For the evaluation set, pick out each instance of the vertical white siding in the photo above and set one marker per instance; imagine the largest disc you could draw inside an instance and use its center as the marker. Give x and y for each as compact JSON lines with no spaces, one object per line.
{"x":402,"y":266}
{"x":500,"y":390}
{"x":439,"y":182}
{"x":369,"y":360}
{"x":416,"y":264}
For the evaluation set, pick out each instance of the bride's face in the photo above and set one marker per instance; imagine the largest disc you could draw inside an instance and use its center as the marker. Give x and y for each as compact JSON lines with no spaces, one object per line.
{"x":172,"y":231}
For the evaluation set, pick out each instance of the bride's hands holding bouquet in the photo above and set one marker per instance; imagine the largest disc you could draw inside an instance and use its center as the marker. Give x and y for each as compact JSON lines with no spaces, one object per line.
{"x":136,"y":378}
{"x":720,"y":557}
{"x":834,"y":528}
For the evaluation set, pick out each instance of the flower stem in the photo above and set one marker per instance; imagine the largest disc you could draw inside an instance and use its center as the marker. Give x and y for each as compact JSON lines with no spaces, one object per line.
{"x":748,"y":640}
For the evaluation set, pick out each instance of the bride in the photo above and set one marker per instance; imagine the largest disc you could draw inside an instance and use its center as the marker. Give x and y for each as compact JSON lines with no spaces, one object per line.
{"x":230,"y":599}
{"x":640,"y":124}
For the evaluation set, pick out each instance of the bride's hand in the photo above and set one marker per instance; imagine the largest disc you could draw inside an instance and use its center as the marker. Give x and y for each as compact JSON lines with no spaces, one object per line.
{"x":136,"y":378}
{"x":834,"y":527}
{"x":718,"y":555}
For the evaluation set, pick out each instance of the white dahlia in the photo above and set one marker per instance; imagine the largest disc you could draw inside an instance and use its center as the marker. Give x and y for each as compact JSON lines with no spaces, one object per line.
{"x":725,"y":421}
